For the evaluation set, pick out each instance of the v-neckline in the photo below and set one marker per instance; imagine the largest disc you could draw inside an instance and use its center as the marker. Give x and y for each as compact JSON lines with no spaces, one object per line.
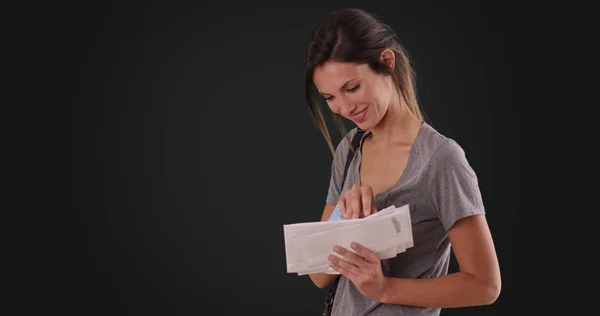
{"x":409,"y":162}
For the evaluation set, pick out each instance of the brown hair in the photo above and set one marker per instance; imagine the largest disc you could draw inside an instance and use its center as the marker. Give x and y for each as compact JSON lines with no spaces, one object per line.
{"x":352,"y":35}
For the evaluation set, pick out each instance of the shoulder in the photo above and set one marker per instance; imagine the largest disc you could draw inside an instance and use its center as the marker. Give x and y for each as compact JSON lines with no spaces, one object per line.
{"x":448,"y":152}
{"x":443,"y":150}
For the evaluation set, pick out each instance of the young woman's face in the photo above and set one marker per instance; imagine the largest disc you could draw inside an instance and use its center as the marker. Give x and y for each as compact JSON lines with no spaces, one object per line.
{"x":354,"y":91}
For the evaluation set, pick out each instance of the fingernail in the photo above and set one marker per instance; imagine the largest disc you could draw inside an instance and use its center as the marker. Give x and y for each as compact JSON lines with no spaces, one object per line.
{"x":336,"y":248}
{"x":353,"y":245}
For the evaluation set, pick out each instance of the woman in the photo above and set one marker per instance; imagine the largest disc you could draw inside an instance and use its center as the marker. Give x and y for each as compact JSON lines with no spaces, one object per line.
{"x":357,"y":65}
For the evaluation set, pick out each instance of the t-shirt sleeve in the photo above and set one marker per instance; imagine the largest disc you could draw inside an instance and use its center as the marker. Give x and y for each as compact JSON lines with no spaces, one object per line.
{"x":335,"y":182}
{"x":456,"y":192}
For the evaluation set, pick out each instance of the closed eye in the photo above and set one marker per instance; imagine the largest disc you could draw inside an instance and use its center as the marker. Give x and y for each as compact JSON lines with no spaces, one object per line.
{"x":354,"y":88}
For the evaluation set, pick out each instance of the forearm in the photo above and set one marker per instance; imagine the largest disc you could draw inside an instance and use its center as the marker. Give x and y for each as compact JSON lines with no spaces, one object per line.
{"x":322,"y":280}
{"x":454,"y":290}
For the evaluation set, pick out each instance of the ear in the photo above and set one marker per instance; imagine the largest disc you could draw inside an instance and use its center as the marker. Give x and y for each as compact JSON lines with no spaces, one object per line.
{"x":388,"y":58}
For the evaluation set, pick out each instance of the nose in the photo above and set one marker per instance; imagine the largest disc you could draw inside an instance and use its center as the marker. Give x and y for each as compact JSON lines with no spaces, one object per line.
{"x":346,"y":107}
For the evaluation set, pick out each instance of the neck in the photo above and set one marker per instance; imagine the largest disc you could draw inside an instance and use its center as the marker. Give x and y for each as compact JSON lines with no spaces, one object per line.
{"x":398,"y":126}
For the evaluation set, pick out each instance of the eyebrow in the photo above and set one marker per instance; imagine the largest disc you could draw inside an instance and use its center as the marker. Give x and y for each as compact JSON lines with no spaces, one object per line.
{"x":343,"y":86}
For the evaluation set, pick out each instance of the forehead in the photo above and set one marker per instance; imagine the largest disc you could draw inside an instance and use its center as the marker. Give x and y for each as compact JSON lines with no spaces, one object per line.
{"x":332,"y":75}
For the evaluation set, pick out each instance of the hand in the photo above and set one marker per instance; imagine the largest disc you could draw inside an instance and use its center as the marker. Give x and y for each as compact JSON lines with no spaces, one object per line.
{"x":357,"y":201}
{"x":364,"y":270}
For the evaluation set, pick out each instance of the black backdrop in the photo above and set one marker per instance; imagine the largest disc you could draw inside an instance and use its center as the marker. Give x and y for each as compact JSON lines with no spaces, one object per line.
{"x":192,"y":145}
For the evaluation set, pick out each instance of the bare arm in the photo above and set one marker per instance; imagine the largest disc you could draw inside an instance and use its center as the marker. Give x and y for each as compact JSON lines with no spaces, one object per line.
{"x":477,"y":282}
{"x":322,"y":280}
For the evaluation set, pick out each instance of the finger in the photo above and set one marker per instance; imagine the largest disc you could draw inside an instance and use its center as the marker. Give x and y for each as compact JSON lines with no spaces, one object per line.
{"x":367,"y":198}
{"x":351,"y":256}
{"x":364,"y":252}
{"x":356,"y":201}
{"x":342,"y":205}
{"x":344,"y":272}
{"x":341,"y":270}
{"x":348,"y":204}
{"x":346,"y":268}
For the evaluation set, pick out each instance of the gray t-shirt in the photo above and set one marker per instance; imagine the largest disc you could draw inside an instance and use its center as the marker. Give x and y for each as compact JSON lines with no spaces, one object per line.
{"x":440,"y":187}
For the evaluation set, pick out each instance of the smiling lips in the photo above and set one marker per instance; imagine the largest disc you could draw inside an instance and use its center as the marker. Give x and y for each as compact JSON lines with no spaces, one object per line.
{"x":360,"y":116}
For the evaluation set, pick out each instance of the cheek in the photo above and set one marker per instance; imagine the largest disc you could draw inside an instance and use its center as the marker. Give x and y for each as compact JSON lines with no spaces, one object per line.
{"x":383,"y":96}
{"x":333,"y":107}
{"x":363,"y":96}
{"x":383,"y":99}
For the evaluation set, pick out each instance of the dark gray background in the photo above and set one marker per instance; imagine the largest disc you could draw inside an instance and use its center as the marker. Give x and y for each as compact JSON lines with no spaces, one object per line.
{"x":192,"y":146}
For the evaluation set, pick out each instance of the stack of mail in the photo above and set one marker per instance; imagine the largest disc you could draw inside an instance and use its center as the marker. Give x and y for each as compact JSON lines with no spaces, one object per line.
{"x":307,"y":245}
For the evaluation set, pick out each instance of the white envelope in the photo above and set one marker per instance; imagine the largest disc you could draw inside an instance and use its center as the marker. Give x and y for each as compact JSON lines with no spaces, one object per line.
{"x":376,"y":235}
{"x":387,"y":233}
{"x":293,"y":231}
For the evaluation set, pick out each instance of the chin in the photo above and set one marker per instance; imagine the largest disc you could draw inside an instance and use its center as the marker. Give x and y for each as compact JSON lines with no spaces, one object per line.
{"x":364,"y":125}
{"x":369,"y":122}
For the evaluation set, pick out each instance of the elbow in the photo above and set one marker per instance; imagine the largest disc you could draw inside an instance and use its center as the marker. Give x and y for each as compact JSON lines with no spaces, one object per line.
{"x":490,"y":292}
{"x":318,"y":282}
{"x":321,"y":285}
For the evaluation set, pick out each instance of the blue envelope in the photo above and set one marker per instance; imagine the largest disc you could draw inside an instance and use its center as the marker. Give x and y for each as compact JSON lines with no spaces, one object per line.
{"x":336,"y":215}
